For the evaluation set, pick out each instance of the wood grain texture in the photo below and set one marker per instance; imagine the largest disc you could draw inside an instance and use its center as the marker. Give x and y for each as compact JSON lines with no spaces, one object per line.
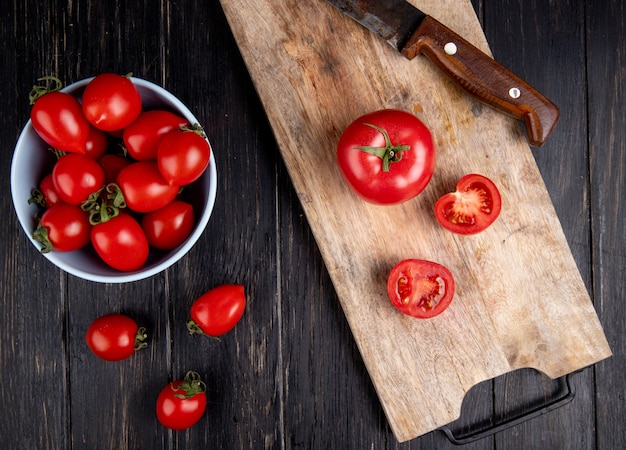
{"x":312,"y":88}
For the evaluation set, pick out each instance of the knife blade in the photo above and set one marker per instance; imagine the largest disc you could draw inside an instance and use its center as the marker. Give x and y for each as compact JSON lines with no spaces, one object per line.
{"x":411,"y":32}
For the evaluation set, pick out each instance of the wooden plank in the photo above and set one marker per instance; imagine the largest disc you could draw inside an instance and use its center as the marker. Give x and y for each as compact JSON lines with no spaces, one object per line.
{"x":33,"y":300}
{"x":606,"y":60}
{"x":294,"y":54}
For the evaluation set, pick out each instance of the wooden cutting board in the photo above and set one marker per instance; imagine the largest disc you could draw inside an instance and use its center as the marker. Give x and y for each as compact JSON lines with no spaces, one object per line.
{"x":520,"y":300}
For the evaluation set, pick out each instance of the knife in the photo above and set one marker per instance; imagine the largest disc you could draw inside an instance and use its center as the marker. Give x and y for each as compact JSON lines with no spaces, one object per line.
{"x":411,"y":31}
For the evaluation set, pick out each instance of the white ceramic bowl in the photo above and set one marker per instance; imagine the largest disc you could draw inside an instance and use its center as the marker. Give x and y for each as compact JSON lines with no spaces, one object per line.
{"x":32,"y":161}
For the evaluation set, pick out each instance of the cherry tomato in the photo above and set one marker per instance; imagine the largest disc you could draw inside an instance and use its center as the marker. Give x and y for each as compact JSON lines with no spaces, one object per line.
{"x":474,"y":206}
{"x":168,"y":227}
{"x":419,"y":288}
{"x":387,"y":156}
{"x":182,"y":403}
{"x":143,"y":136}
{"x":112,"y":165}
{"x":114,"y":337}
{"x":144,"y":188}
{"x":97,"y":143}
{"x":63,"y":228}
{"x":75,"y":177}
{"x":217,"y":311}
{"x":121,"y":243}
{"x":183,"y":156}
{"x":58,"y":119}
{"x":111,"y":102}
{"x":46,"y":195}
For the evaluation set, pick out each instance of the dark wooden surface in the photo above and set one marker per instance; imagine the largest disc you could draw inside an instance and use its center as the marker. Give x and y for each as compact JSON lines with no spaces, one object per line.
{"x":289,"y":375}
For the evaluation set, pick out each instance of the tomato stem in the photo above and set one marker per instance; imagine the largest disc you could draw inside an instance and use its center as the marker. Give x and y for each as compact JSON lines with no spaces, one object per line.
{"x":389,"y":153}
{"x":52,"y":84}
{"x":140,"y":339}
{"x":191,"y":385}
{"x":41,"y":235}
{"x":196,"y":128}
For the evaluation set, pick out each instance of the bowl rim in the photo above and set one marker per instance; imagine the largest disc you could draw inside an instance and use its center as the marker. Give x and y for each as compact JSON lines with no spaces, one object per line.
{"x":174,"y":255}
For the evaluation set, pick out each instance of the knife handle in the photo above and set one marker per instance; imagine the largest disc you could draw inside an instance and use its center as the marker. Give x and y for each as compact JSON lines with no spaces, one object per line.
{"x":484,"y":78}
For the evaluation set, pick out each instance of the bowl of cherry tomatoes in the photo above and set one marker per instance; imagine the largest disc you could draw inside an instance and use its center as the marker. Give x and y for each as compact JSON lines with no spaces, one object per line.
{"x":113,"y":178}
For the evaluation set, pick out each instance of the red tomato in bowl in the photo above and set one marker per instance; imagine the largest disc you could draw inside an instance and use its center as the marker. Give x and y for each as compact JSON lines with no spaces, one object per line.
{"x":114,"y":337}
{"x":218,"y":310}
{"x":144,"y":188}
{"x":143,"y":136}
{"x":121,"y":243}
{"x":420,"y":288}
{"x":183,"y":157}
{"x":387,"y":156}
{"x":168,"y":227}
{"x":111,"y":102}
{"x":58,"y":119}
{"x":182,"y":403}
{"x":76,"y":177}
{"x":63,"y":228}
{"x":474,"y":206}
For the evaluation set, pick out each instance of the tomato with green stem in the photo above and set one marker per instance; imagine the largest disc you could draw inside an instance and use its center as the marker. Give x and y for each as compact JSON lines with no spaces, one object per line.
{"x":114,"y":337}
{"x":420,"y":288}
{"x":217,"y":311}
{"x":181,"y":403}
{"x":473,"y":207}
{"x":57,"y":117}
{"x":386,"y":157}
{"x":63,"y":228}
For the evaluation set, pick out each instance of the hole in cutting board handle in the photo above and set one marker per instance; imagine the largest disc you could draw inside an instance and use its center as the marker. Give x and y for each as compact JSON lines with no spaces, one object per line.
{"x":565,"y":395}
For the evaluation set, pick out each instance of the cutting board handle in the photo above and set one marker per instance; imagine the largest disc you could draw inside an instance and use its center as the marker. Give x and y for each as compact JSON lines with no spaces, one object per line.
{"x":565,"y":394}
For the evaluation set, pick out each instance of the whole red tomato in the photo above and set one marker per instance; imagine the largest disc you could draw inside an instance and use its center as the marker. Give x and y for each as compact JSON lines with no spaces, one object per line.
{"x":58,"y":119}
{"x":218,"y":310}
{"x":143,"y":136}
{"x":76,"y":177}
{"x":183,"y":156}
{"x":114,"y":337}
{"x":111,"y":102}
{"x":121,"y":243}
{"x":387,"y":156}
{"x":419,"y":288}
{"x":182,"y":403}
{"x":63,"y":228}
{"x":168,"y":227}
{"x":474,"y":206}
{"x":144,"y":188}
{"x":45,"y":195}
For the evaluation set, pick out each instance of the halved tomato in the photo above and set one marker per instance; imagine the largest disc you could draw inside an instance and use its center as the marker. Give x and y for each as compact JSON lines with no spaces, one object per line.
{"x":474,"y":206}
{"x":420,"y":288}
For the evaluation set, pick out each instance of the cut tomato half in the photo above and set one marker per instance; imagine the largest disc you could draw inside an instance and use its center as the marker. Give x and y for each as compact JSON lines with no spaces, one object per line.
{"x":420,"y":288}
{"x":474,"y":206}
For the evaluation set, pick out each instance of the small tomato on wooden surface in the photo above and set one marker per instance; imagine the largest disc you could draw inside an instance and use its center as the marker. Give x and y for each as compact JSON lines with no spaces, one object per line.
{"x":218,"y":310}
{"x":114,"y":337}
{"x":182,"y":403}
{"x":387,"y":156}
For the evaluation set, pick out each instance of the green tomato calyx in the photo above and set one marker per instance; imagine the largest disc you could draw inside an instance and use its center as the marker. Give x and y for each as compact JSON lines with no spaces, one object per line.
{"x":389,"y":153}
